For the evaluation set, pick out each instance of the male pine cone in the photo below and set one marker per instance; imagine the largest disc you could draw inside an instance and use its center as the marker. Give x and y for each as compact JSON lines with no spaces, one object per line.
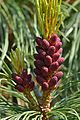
{"x":47,"y":62}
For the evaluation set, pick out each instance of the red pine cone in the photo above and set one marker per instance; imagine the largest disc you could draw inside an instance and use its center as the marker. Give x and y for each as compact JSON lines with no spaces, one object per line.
{"x":23,"y":81}
{"x":47,"y":61}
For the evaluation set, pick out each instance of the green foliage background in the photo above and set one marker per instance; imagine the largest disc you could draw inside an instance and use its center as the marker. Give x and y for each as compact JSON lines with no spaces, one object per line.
{"x":18,"y":28}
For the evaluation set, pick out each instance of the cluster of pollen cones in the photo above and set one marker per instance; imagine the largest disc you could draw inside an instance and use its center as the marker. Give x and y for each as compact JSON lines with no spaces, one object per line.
{"x":48,"y":61}
{"x":23,"y":81}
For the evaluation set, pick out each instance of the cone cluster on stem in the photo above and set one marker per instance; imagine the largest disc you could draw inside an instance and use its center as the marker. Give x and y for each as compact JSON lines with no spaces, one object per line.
{"x":23,"y":81}
{"x":48,"y":61}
